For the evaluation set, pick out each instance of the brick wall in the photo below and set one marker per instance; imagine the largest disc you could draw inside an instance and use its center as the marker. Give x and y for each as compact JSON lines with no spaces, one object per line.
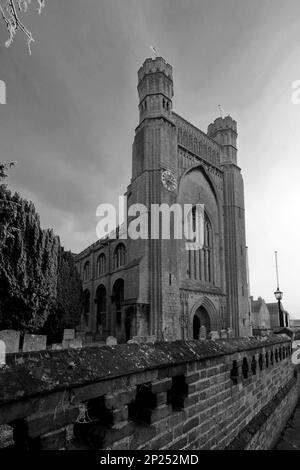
{"x":235,"y":393}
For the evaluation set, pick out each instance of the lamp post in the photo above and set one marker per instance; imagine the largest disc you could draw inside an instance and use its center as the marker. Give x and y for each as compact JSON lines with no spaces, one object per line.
{"x":278,"y":296}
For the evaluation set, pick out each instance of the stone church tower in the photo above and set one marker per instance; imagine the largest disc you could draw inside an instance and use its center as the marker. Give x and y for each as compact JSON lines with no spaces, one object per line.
{"x":156,"y":287}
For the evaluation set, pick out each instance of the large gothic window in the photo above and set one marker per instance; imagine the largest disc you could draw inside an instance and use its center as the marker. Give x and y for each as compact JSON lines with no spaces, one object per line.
{"x":208,"y":249}
{"x":101,"y":264}
{"x":200,"y":262}
{"x":119,"y":256}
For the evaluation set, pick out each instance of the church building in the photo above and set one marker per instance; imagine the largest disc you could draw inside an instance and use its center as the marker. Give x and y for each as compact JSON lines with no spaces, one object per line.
{"x":156,"y":287}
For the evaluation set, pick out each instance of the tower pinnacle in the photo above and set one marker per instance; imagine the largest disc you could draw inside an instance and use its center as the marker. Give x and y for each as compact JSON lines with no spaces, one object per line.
{"x":155,"y":88}
{"x":224,"y":131}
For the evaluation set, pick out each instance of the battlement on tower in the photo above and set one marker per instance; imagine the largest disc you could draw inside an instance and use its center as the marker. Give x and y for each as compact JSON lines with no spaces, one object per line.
{"x":155,"y":65}
{"x":155,"y":89}
{"x":222,"y":124}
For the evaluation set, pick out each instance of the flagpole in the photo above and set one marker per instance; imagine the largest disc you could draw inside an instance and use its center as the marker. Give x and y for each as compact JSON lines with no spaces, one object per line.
{"x":154,"y":51}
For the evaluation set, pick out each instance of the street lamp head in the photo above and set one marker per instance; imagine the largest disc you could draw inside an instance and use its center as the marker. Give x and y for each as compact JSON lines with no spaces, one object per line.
{"x":278,"y":294}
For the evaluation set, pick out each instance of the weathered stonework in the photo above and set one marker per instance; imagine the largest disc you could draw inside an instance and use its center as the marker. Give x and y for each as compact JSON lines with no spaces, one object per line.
{"x":155,"y":275}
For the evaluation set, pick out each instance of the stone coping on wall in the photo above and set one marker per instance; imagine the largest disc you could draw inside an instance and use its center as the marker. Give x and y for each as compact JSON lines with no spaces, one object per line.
{"x":29,"y":374}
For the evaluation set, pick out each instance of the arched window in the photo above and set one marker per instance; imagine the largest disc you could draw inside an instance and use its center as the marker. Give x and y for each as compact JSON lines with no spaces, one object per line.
{"x":101,"y":264}
{"x":119,"y":256}
{"x":101,"y":305}
{"x":208,"y":250}
{"x":86,"y":271}
{"x":200,"y":261}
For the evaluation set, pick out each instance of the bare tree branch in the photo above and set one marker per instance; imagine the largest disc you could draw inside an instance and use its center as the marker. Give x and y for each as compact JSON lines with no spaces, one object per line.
{"x":10,"y":16}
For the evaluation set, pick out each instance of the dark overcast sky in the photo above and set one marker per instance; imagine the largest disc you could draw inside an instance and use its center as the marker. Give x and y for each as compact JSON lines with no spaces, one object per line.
{"x":72,"y":109}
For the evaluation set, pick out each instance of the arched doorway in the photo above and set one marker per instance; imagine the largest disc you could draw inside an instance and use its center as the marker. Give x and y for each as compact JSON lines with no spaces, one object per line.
{"x":196,"y":327}
{"x":201,"y":320}
{"x":101,"y":307}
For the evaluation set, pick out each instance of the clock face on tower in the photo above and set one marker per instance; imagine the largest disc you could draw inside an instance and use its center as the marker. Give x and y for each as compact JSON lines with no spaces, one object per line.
{"x":169,"y":180}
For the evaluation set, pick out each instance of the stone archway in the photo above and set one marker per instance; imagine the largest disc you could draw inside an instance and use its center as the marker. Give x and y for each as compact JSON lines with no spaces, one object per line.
{"x":203,"y":315}
{"x":201,"y":323}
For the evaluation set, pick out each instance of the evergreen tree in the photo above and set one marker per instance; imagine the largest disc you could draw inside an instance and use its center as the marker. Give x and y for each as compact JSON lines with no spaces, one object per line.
{"x":39,"y":284}
{"x":68,"y":307}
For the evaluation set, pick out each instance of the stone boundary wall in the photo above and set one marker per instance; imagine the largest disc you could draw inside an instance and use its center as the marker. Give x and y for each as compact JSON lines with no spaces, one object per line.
{"x":181,"y":395}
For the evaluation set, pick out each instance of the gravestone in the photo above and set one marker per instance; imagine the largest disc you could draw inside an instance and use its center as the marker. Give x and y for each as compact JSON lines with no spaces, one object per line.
{"x":202,"y":334}
{"x":229,"y":333}
{"x":56,"y":347}
{"x":34,"y":342}
{"x":214,"y":335}
{"x":11,"y":338}
{"x":111,"y":341}
{"x":69,"y":334}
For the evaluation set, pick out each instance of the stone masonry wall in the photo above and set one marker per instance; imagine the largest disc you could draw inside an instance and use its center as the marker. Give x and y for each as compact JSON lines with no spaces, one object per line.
{"x":234,"y":393}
